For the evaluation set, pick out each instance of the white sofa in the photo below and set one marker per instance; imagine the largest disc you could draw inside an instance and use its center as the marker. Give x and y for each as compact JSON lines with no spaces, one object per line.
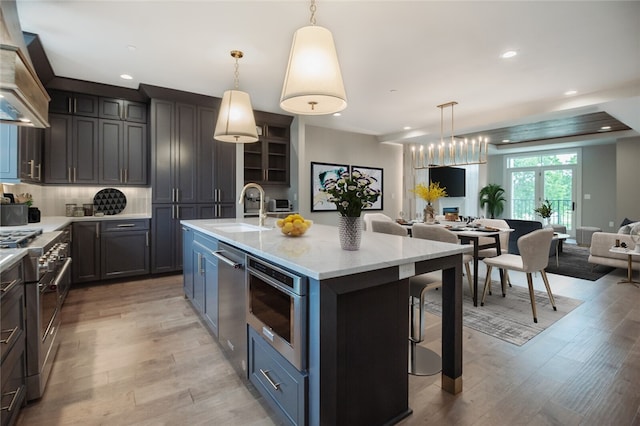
{"x":601,"y":242}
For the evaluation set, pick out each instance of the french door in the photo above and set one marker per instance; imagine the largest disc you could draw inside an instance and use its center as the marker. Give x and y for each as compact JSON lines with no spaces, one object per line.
{"x":530,"y":185}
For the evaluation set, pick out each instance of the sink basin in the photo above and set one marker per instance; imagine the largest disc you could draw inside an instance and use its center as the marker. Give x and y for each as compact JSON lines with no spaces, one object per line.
{"x":239,"y":227}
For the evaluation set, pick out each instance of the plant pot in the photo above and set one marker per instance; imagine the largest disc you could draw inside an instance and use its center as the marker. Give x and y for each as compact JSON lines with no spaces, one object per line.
{"x":350,"y":232}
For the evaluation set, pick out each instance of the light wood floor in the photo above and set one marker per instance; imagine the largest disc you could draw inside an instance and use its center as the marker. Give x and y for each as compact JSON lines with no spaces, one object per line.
{"x":136,"y":353}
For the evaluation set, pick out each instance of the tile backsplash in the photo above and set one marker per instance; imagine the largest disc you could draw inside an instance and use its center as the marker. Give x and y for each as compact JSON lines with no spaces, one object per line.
{"x":51,"y":200}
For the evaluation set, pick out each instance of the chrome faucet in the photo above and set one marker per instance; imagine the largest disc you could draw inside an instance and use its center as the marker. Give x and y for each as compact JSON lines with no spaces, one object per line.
{"x":261,"y":214}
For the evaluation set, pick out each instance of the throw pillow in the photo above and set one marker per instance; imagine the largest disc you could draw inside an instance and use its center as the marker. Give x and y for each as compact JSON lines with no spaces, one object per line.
{"x":626,"y":229}
{"x":626,"y":221}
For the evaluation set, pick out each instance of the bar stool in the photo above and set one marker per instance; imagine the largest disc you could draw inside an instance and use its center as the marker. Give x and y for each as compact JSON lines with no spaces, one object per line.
{"x":422,"y":361}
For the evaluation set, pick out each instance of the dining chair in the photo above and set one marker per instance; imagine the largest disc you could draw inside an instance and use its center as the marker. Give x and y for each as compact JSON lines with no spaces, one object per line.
{"x":388,"y":227}
{"x":533,"y":257}
{"x":504,"y":238}
{"x":439,"y":233}
{"x":367,"y":218}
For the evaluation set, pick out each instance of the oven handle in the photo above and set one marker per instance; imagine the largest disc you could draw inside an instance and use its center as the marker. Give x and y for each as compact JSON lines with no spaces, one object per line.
{"x":16,"y":394}
{"x":62,"y":272}
{"x":226,"y":260}
{"x":268,"y":280}
{"x":9,"y":286}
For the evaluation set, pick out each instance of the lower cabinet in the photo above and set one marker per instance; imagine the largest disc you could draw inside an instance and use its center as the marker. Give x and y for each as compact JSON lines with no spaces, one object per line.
{"x":13,"y":367}
{"x":282,"y":386}
{"x":110,"y":249}
{"x":124,"y":248}
{"x":205,"y":280}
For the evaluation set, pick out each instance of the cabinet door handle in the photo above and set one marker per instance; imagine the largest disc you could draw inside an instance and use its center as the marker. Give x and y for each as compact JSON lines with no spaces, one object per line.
{"x":75,"y":178}
{"x":173,"y":195}
{"x":177,"y":212}
{"x":97,"y":231}
{"x":69,"y":174}
{"x":75,"y":105}
{"x":69,"y":105}
{"x":126,"y":225}
{"x":200,"y":268}
{"x":126,"y":175}
{"x":146,"y":235}
{"x":177,"y":195}
{"x":9,"y":286}
{"x":32,"y":169}
{"x":11,"y":334}
{"x":39,"y":167}
{"x":120,"y":177}
{"x":265,"y":373}
{"x":16,"y":394}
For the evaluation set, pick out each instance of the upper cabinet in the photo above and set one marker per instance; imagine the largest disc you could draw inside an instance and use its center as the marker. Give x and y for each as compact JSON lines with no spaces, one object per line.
{"x":120,"y":109}
{"x":30,"y":140}
{"x":95,"y":140}
{"x":73,"y":103}
{"x":267,"y":161}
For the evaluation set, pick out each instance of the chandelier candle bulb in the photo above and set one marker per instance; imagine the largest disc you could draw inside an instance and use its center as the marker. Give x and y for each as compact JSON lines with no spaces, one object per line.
{"x":421,"y":156}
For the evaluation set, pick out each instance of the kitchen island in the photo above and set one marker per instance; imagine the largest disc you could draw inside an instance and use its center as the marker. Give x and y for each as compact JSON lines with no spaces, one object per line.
{"x":357,"y":315}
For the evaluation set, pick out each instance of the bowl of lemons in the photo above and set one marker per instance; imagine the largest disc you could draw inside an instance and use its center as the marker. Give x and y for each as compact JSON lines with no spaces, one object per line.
{"x":293,"y":225}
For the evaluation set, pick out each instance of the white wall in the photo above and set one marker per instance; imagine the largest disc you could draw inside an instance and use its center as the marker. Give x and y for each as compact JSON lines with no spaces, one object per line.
{"x":316,"y":144}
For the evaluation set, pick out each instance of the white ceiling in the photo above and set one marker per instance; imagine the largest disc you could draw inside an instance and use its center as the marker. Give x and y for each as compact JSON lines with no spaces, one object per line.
{"x":399,"y":59}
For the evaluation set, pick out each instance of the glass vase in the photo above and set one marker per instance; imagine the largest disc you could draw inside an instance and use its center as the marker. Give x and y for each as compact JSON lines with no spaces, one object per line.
{"x":429,"y":213}
{"x":350,"y":232}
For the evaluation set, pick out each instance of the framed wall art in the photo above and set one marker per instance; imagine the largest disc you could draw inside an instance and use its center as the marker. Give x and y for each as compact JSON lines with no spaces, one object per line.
{"x":377,"y":174}
{"x":320,"y":172}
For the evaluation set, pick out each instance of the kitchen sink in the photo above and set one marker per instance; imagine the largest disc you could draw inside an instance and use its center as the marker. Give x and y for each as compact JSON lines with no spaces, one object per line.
{"x":239,"y":227}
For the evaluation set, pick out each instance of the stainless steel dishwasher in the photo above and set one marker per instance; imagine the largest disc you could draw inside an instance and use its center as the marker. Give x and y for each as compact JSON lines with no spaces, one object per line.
{"x":232,"y":323}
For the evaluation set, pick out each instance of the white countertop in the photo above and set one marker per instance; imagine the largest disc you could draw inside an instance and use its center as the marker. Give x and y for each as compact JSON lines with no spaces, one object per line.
{"x":317,"y":254}
{"x":57,"y":223}
{"x":9,"y":257}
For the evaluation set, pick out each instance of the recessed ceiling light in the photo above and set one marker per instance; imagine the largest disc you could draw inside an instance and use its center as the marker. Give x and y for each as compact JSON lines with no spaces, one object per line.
{"x":407,"y":127}
{"x":605,"y":128}
{"x":25,"y":120}
{"x":505,"y":140}
{"x":509,"y":54}
{"x":570,"y":92}
{"x":131,"y":47}
{"x":337,"y":114}
{"x":126,"y":77}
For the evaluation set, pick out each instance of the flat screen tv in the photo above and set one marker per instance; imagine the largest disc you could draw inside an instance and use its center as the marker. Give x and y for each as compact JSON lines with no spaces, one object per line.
{"x":451,"y":178}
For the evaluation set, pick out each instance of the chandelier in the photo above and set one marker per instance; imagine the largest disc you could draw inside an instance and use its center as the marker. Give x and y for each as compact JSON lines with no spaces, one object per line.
{"x":455,"y":152}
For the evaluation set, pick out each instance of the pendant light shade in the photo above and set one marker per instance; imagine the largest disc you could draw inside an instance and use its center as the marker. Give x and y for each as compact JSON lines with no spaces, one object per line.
{"x":236,"y":122}
{"x":313,"y":82}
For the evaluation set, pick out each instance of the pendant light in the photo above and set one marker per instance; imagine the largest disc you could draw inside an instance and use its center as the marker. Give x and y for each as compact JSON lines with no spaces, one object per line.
{"x":236,"y":123}
{"x":313,"y":82}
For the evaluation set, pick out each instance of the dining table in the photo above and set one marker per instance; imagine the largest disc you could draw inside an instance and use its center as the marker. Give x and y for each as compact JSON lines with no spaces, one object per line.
{"x":471,"y":234}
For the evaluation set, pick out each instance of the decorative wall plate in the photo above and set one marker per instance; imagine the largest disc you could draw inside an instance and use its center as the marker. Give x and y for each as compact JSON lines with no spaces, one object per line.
{"x":109,"y":201}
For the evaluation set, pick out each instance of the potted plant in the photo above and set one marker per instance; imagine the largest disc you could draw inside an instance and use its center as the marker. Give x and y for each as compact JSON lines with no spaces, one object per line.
{"x":545,"y":210}
{"x":492,"y":196}
{"x":351,"y":193}
{"x":430,"y":193}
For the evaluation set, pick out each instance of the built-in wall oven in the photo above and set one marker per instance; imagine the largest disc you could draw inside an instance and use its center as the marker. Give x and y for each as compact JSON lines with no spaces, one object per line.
{"x":277,"y":309}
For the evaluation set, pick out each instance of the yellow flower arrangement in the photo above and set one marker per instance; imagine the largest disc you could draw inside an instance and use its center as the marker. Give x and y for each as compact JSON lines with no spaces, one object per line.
{"x":430,"y":193}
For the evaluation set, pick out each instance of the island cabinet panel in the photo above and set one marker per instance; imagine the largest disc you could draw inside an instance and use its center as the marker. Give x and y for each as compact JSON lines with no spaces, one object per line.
{"x":188,"y":267}
{"x":266,"y":368}
{"x":166,"y":234}
{"x":358,"y":341}
{"x":200,"y":272}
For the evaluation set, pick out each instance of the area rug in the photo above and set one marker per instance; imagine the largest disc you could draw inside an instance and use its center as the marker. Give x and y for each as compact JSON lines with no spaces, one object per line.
{"x":507,"y":318}
{"x":572,"y":262}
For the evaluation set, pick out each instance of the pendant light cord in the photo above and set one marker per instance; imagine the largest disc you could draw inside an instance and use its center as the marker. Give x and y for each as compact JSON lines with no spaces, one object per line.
{"x":312,"y":8}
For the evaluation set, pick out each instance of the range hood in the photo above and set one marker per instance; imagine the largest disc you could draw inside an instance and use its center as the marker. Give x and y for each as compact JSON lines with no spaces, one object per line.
{"x":23,"y":99}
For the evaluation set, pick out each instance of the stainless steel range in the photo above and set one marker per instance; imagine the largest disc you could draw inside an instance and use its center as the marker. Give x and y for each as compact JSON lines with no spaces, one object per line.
{"x":47,"y":276}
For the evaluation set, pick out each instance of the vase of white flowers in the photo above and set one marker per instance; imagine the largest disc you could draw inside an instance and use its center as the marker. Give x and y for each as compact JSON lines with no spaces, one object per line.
{"x":351,"y":193}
